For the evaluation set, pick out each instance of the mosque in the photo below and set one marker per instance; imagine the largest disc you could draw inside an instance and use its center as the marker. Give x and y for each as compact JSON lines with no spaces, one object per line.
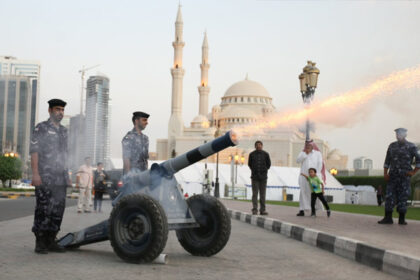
{"x":244,"y":103}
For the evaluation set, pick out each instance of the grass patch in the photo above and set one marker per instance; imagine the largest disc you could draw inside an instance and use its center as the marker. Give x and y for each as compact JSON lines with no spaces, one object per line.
{"x":412,"y":213}
{"x":15,"y":190}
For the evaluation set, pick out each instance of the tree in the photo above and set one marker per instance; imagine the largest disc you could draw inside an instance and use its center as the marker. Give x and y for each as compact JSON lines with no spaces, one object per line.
{"x":10,"y":169}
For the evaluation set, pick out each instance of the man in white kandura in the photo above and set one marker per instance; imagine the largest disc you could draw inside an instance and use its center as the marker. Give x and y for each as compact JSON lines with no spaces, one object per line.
{"x":308,"y":158}
{"x":85,"y":183}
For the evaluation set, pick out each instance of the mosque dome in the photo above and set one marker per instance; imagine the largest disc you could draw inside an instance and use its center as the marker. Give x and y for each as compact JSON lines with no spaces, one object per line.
{"x":334,"y":155}
{"x":247,"y":88}
{"x":200,"y":121}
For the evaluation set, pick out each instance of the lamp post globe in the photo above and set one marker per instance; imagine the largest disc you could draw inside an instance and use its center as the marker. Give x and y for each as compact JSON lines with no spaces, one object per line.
{"x":308,"y":81}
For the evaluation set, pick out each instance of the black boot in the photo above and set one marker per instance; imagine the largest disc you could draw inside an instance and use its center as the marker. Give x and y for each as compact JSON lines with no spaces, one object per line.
{"x":301,"y":213}
{"x":53,"y":246}
{"x":40,"y":245}
{"x":387,"y":220}
{"x":401,"y":219}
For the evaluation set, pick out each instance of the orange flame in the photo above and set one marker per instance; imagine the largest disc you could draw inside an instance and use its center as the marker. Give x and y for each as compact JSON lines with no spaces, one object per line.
{"x":325,"y":111}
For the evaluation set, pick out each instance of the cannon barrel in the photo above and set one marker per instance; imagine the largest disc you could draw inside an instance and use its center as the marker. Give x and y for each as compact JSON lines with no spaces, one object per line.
{"x":174,"y":165}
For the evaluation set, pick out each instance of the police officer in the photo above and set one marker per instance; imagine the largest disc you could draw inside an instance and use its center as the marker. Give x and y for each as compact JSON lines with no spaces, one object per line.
{"x":50,"y":177}
{"x":397,"y":172}
{"x":135,"y":144}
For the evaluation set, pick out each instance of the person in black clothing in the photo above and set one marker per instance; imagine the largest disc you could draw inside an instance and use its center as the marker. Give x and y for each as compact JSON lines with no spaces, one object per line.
{"x":259,"y":162}
{"x":379,"y":195}
{"x":99,"y":178}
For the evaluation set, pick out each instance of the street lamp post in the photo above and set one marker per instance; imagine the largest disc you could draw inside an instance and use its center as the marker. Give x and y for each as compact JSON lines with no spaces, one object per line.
{"x":236,"y":168}
{"x":308,"y":82}
{"x":216,"y":184}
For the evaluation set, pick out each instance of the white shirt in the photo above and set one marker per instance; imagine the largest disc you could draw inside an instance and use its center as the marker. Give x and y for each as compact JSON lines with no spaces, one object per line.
{"x":85,"y":174}
{"x":311,"y":160}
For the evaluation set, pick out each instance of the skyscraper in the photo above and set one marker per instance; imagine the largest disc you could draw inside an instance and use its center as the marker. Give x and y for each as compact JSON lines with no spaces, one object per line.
{"x":10,"y":65}
{"x":15,"y":115}
{"x":76,"y":141}
{"x":97,"y":143}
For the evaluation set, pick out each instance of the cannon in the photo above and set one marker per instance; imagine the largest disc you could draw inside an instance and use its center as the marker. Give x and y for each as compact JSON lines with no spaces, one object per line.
{"x":151,"y":203}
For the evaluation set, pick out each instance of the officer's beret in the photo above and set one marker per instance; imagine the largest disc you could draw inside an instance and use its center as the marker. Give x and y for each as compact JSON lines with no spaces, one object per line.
{"x":140,"y":115}
{"x":400,"y":130}
{"x":57,"y":102}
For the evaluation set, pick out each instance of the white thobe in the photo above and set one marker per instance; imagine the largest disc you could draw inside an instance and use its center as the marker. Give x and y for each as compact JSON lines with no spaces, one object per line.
{"x":85,"y":174}
{"x":311,"y":160}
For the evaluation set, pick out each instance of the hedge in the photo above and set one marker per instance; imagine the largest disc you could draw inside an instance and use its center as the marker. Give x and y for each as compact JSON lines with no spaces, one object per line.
{"x":374,"y":181}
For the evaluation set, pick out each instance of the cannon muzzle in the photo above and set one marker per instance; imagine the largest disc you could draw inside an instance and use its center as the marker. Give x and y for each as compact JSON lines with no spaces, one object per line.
{"x":175,"y":164}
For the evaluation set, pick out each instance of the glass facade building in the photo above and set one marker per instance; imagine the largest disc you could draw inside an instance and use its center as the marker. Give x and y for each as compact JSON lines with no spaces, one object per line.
{"x":97,"y":138}
{"x":11,"y":66}
{"x":15,"y":115}
{"x":19,"y":97}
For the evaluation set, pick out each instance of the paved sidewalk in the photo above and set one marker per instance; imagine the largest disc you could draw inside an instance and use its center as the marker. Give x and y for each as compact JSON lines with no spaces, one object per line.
{"x":249,"y":253}
{"x":356,"y":226}
{"x":391,"y":248}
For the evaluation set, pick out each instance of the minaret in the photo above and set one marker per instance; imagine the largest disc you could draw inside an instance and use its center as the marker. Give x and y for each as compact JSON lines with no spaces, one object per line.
{"x":204,"y":89}
{"x":176,"y":124}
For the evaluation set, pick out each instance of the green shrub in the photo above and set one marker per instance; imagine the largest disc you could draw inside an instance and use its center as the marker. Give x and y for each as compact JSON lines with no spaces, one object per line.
{"x":374,"y":181}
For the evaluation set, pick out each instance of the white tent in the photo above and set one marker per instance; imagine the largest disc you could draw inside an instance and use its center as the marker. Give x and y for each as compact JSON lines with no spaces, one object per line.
{"x":360,"y":195}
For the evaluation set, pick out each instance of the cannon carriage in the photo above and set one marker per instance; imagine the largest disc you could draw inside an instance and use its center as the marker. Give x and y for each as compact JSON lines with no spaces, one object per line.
{"x":151,"y":203}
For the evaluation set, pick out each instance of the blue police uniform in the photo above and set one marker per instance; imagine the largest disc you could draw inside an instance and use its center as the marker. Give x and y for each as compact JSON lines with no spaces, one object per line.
{"x":399,"y":158}
{"x":50,"y":143}
{"x":135,"y":147}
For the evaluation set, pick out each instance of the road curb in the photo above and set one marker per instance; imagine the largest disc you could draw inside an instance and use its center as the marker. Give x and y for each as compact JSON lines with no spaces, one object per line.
{"x":396,"y":263}
{"x":14,"y":195}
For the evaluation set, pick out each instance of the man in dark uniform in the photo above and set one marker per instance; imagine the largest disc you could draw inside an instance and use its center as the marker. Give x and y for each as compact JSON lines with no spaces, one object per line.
{"x":259,"y":162}
{"x":135,"y":145}
{"x":397,"y":172}
{"x":50,"y":177}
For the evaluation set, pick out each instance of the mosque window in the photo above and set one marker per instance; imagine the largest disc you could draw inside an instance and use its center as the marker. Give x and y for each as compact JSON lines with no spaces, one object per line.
{"x":261,"y":100}
{"x":249,"y":99}
{"x":236,"y":99}
{"x":242,"y":99}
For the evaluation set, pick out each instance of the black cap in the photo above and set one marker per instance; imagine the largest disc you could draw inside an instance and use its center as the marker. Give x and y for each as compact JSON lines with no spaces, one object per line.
{"x":140,"y":115}
{"x":400,"y":130}
{"x":57,"y":102}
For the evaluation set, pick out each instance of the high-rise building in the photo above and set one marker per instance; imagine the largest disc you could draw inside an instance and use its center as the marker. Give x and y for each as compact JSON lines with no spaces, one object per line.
{"x":76,"y":142}
{"x":15,"y":115}
{"x":362,"y":163}
{"x":10,"y":65}
{"x":97,"y":140}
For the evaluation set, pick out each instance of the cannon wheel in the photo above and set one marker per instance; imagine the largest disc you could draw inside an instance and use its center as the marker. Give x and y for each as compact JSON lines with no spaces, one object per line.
{"x":138,"y":228}
{"x":214,"y":230}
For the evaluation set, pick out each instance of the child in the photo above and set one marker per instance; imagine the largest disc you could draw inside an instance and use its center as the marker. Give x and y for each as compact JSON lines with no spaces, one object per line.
{"x":317,"y":192}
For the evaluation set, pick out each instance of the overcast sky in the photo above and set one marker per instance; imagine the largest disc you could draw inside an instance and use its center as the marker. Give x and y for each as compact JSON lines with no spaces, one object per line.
{"x":353,"y":42}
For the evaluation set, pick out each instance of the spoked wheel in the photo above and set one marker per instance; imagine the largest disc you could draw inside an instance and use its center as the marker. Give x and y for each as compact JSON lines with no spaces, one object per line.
{"x":214,"y":231}
{"x":138,"y":228}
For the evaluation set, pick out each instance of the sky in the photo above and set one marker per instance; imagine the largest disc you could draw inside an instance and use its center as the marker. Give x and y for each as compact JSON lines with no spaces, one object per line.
{"x":354,"y":43}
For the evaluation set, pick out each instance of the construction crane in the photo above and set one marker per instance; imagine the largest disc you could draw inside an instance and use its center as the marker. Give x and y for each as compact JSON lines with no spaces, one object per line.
{"x":82,"y":72}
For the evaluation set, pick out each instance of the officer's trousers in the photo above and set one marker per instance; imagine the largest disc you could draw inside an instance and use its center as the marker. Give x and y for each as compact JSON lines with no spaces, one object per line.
{"x":49,"y":209}
{"x":397,"y":192}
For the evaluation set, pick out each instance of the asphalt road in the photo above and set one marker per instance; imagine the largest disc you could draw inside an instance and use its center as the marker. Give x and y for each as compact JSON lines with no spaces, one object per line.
{"x":251,"y":253}
{"x":21,"y":207}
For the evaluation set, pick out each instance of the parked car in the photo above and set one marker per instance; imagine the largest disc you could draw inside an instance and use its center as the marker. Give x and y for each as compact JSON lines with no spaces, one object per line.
{"x":114,"y":182}
{"x":24,"y":186}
